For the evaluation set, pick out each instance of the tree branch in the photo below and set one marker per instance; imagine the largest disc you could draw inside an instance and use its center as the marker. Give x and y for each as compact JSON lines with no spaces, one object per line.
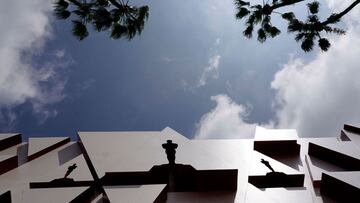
{"x":285,"y":3}
{"x":75,"y":2}
{"x":338,"y":16}
{"x":116,"y":4}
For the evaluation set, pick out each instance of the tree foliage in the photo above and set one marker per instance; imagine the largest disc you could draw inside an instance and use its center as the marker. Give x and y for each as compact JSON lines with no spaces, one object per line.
{"x":122,"y":20}
{"x":115,"y":16}
{"x":308,"y":32}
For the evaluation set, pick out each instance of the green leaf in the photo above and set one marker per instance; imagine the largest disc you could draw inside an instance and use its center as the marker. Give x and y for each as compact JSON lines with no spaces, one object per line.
{"x":261,"y":35}
{"x":131,"y":28}
{"x":143,"y":13}
{"x":103,"y":2}
{"x":313,"y":7}
{"x":267,"y":27}
{"x":338,"y":31}
{"x":62,"y":3}
{"x":266,"y":19}
{"x":61,"y":13}
{"x":241,"y":3}
{"x":257,"y":7}
{"x":307,"y":44}
{"x":258,"y":16}
{"x":313,"y":18}
{"x":81,"y":13}
{"x":250,"y":20}
{"x":295,"y":25}
{"x":242,"y":13}
{"x":324,"y":44}
{"x":299,"y":36}
{"x":333,"y":18}
{"x":248,"y":31}
{"x":118,"y":31}
{"x":79,"y":30}
{"x":288,"y":16}
{"x":266,"y":10}
{"x":274,"y":31}
{"x":119,"y":19}
{"x":115,"y":14}
{"x":102,"y":19}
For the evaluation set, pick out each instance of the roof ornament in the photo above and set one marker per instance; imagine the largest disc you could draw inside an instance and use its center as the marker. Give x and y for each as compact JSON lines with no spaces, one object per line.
{"x":170,"y":150}
{"x":267,"y":164}
{"x":70,"y":169}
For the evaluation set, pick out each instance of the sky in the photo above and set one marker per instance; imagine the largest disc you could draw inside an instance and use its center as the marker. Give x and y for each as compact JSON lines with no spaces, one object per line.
{"x":191,"y":69}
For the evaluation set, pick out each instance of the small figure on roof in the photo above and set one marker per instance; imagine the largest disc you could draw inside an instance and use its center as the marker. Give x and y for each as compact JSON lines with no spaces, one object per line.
{"x":267,"y":164}
{"x":70,"y":169}
{"x":170,"y":147}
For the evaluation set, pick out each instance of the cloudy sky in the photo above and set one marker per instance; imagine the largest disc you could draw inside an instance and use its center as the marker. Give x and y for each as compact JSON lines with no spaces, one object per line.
{"x":191,"y":70}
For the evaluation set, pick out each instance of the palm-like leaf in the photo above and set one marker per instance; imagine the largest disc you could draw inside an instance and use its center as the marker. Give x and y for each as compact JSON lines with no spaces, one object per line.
{"x":60,"y":11}
{"x":288,"y":16}
{"x":242,"y":13}
{"x":79,"y":30}
{"x":324,"y":44}
{"x":257,"y":15}
{"x":62,"y":3}
{"x":261,"y":35}
{"x":274,"y":31}
{"x":307,"y":44}
{"x":61,"y":14}
{"x":102,"y":2}
{"x":118,"y":31}
{"x":306,"y":32}
{"x":240,"y":3}
{"x":117,"y":17}
{"x":248,"y":31}
{"x":313,"y":7}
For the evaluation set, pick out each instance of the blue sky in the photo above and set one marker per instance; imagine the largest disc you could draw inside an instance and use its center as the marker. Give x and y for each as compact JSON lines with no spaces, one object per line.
{"x":191,"y":69}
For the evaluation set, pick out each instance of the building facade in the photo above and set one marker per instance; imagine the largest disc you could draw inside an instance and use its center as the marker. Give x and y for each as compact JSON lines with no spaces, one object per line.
{"x":165,"y":166}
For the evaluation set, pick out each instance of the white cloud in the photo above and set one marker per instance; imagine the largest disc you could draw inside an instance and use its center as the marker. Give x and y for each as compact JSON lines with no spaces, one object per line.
{"x":318,"y":97}
{"x":24,"y":30}
{"x":167,"y":59}
{"x":338,"y":6}
{"x":217,"y":42}
{"x":226,"y":120}
{"x":315,"y":97}
{"x":60,"y":53}
{"x":210,"y":71}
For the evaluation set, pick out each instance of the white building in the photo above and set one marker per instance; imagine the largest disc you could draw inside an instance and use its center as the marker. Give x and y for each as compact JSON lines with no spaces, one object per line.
{"x":133,"y":167}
